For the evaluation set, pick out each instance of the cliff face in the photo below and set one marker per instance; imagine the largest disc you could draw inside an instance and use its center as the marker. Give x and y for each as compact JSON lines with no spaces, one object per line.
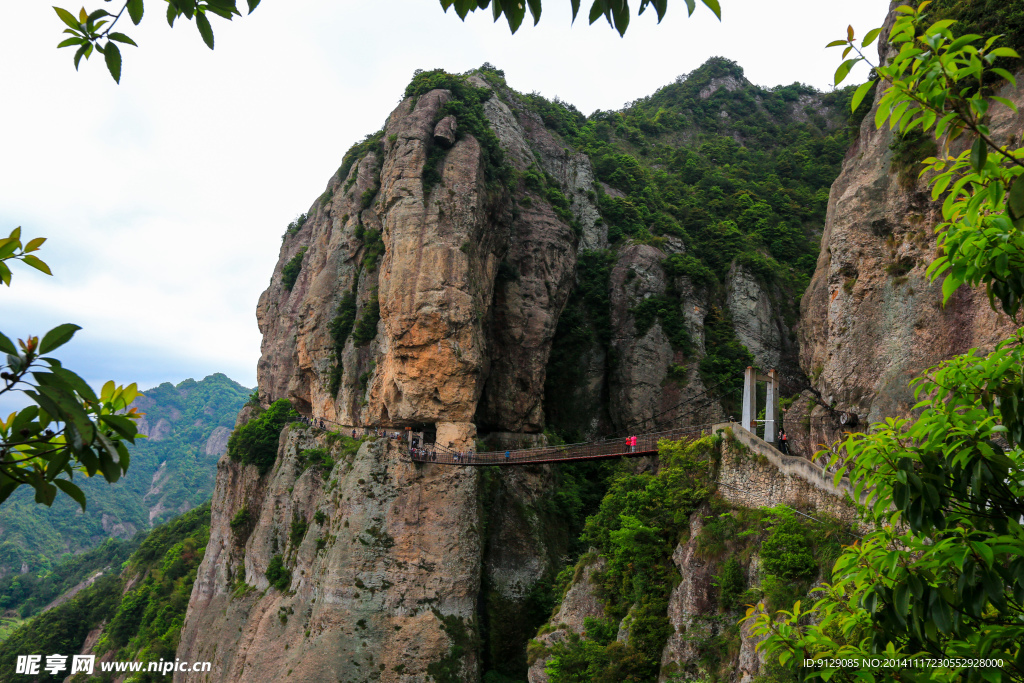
{"x":717,"y":568}
{"x":871,"y":320}
{"x":473,"y":277}
{"x":386,"y":581}
{"x":427,"y":285}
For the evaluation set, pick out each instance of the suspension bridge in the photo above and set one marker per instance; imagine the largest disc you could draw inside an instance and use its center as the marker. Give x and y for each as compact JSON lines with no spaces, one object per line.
{"x":624,"y":447}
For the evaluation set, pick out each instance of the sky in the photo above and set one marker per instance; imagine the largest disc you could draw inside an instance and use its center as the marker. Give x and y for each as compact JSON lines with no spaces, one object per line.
{"x":164,"y":198}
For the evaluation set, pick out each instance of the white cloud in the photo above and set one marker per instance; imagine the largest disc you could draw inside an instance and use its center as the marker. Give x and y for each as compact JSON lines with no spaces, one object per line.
{"x":165,"y":197}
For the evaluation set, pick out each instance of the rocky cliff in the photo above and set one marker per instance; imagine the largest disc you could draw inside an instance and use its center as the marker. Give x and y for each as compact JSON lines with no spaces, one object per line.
{"x":468,"y":281}
{"x":427,"y":284}
{"x":871,"y":319}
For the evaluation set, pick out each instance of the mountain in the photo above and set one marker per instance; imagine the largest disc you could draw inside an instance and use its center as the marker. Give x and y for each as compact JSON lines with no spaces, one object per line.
{"x":491,"y":265}
{"x":122,"y":601}
{"x":172,"y":470}
{"x":493,"y":261}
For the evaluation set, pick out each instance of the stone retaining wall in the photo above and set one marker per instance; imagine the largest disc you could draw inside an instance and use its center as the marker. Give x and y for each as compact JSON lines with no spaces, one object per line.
{"x":754,"y":474}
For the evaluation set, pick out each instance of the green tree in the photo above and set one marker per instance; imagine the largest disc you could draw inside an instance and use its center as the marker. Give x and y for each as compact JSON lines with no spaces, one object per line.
{"x":68,"y":428}
{"x":941,"y":574}
{"x":255,"y":442}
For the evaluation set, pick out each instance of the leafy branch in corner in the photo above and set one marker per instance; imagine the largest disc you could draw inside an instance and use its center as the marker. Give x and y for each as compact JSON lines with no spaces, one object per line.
{"x":93,"y":32}
{"x":68,"y":428}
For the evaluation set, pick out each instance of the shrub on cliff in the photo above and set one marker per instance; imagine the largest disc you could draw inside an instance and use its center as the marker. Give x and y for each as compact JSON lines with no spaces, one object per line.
{"x":278,"y":576}
{"x":366,"y":328}
{"x":291,"y":270}
{"x":255,"y":442}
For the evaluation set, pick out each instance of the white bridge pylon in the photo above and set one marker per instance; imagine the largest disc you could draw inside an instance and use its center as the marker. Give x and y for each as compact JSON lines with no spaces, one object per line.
{"x":771,"y":409}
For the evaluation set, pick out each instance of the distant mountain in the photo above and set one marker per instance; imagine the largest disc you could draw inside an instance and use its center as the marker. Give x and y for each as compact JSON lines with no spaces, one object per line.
{"x":171,"y":472}
{"x":124,"y":600}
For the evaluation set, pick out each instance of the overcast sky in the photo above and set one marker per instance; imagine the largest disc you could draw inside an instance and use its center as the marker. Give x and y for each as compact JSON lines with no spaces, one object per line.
{"x":164,"y":198}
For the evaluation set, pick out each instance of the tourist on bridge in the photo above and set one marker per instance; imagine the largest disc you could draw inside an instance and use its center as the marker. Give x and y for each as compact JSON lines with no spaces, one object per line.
{"x":507,"y":455}
{"x":783,"y":442}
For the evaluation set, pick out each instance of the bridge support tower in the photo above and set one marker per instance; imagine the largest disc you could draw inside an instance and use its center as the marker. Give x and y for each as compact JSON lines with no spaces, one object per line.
{"x":771,"y":409}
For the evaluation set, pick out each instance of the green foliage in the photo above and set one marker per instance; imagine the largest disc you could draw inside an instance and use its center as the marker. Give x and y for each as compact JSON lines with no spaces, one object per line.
{"x":766,"y":194}
{"x":466,"y":104}
{"x":909,"y":150}
{"x":585,"y":323}
{"x":340,"y":328}
{"x":343,"y":321}
{"x":358,"y":151}
{"x":730,"y":585}
{"x":636,"y":528}
{"x":667,"y":309}
{"x":12,"y":249}
{"x":298,"y":531}
{"x":786,"y":552}
{"x":91,"y":31}
{"x":685,"y":265}
{"x":64,"y":628}
{"x":737,"y":175}
{"x":366,"y":199}
{"x":67,"y":427}
{"x":726,"y":358}
{"x":241,"y":520}
{"x":464,"y":642}
{"x":296,"y":225}
{"x":1004,"y":18}
{"x":547,"y":187}
{"x":432,"y":169}
{"x":317,"y":458}
{"x":149,"y":618}
{"x":374,"y":244}
{"x":142,"y":623}
{"x":29,"y":592}
{"x":325,"y":197}
{"x":290,"y":272}
{"x":366,"y":328}
{"x":255,"y":442}
{"x":616,"y":12}
{"x":279,"y":576}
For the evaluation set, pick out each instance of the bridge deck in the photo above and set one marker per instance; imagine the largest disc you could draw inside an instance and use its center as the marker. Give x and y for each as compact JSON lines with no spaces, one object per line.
{"x":646,"y":444}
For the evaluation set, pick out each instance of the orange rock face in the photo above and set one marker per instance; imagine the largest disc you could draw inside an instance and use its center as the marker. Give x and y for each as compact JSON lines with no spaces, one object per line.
{"x":417,"y":229}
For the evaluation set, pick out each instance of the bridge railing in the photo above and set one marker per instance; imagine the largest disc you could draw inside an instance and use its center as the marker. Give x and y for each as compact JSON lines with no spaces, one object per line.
{"x":646,"y":444}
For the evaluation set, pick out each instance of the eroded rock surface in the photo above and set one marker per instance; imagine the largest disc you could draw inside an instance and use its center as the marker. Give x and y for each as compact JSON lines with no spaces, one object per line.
{"x":871,"y":320}
{"x":371,"y":588}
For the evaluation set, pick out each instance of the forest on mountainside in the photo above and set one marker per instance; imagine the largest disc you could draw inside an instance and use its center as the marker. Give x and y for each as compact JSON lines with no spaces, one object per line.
{"x":139,"y":600}
{"x":170,"y":472}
